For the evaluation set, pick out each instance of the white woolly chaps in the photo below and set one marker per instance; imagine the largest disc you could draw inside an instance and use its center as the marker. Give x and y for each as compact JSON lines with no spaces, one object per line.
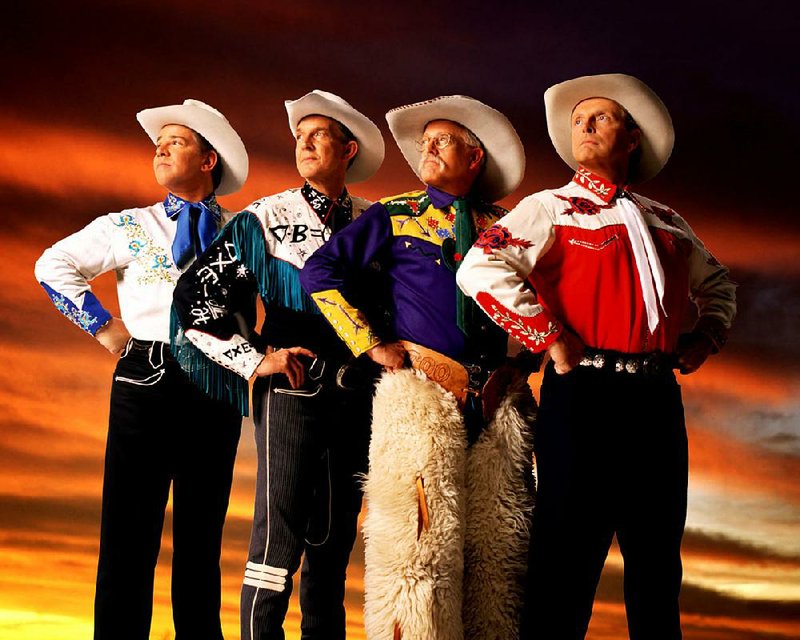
{"x":433,"y":506}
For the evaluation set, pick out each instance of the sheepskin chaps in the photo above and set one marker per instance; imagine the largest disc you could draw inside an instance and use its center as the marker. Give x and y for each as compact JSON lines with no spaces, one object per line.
{"x":415,"y":582}
{"x":499,"y":491}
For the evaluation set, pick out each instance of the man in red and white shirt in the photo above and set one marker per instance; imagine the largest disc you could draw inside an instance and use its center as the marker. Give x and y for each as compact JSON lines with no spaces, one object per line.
{"x":601,"y":278}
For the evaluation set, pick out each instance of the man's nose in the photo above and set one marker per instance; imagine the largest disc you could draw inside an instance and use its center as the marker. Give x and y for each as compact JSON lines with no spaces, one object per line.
{"x":161,"y":149}
{"x":588,"y":126}
{"x":429,"y":147}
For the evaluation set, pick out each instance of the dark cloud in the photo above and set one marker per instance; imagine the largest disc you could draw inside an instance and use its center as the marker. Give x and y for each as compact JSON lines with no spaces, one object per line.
{"x":67,"y":516}
{"x":722,"y":76}
{"x":726,"y":549}
{"x":769,"y":311}
{"x":708,"y":602}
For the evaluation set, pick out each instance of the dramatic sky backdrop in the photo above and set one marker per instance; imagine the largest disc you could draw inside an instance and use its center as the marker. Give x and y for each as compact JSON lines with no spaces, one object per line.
{"x":75,"y":73}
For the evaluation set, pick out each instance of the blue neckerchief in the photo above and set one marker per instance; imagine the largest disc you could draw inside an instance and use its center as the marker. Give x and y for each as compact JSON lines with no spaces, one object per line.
{"x":197,"y":226}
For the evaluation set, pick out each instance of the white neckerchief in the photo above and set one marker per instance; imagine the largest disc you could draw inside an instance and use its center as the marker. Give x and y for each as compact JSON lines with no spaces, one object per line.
{"x":647,"y":263}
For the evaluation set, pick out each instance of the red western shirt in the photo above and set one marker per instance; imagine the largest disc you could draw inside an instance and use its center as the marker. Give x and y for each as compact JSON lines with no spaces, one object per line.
{"x":562,"y":259}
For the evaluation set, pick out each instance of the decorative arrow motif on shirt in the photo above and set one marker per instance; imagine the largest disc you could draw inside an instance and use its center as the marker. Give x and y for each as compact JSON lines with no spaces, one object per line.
{"x":427,"y":254}
{"x":403,"y":221}
{"x":356,"y":325}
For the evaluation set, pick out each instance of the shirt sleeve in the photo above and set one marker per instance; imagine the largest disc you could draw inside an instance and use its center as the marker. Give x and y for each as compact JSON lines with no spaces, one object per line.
{"x":65,"y":270}
{"x":710,"y":288}
{"x":209,"y":304}
{"x":331,"y":268}
{"x":495,"y":273}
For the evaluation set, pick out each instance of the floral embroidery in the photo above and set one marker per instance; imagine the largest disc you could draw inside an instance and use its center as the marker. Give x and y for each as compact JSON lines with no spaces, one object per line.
{"x":519,"y":329}
{"x":583,"y":206}
{"x":173,"y":204}
{"x":83,"y":319}
{"x":433,"y":224}
{"x":485,"y":219}
{"x":156,"y":265}
{"x":665,"y":215}
{"x":594,"y":183}
{"x":498,"y":237}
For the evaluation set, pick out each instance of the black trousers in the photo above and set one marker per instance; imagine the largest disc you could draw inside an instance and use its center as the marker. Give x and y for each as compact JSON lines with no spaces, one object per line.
{"x":611,"y":455}
{"x":311,"y":444}
{"x":162,"y":430}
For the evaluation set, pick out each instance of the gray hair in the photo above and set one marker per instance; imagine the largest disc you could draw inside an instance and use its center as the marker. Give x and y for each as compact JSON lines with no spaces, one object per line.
{"x":473,"y":141}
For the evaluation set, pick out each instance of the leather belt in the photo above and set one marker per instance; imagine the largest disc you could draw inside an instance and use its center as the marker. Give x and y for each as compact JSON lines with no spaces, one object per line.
{"x":459,"y":379}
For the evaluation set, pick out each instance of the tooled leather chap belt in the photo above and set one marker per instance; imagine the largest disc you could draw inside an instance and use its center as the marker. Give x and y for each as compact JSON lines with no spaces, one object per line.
{"x":459,"y":379}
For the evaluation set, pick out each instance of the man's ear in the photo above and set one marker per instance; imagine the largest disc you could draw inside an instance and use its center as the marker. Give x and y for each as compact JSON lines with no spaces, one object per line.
{"x":636,"y":139}
{"x":210,"y":161}
{"x":350,"y":150}
{"x":475,"y":157}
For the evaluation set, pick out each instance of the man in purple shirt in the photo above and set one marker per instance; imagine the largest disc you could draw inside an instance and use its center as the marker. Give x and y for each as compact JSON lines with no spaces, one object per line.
{"x":427,"y":516}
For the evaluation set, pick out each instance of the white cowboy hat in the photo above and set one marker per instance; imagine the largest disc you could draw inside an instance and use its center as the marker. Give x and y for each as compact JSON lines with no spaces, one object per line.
{"x":635,"y":96}
{"x":370,"y":141}
{"x":505,"y":155}
{"x":214,"y":127}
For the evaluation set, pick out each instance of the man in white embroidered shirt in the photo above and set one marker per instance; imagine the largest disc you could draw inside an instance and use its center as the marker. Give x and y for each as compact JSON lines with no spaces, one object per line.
{"x":162,"y":429}
{"x":600,"y":278}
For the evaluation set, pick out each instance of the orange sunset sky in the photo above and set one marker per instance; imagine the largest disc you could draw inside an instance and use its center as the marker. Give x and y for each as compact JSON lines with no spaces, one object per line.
{"x":74,"y":75}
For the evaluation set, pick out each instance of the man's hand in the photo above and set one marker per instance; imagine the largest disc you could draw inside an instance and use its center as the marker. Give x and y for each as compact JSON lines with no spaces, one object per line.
{"x":566,"y":352}
{"x":693,"y":349}
{"x":113,"y":335}
{"x":390,"y":355}
{"x":285,"y":361}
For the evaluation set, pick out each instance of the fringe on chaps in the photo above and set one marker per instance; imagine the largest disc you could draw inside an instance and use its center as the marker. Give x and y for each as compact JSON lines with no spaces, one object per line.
{"x":446,"y":529}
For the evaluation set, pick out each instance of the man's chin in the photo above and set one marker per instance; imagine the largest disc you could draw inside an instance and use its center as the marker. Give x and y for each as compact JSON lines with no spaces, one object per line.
{"x":427,"y":174}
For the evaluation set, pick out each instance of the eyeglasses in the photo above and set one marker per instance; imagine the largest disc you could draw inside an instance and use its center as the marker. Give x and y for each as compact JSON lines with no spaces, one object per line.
{"x":441,"y":141}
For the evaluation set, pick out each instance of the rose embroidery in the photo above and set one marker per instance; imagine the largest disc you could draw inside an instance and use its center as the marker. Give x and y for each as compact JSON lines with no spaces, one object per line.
{"x":582,"y":205}
{"x":665,"y":215}
{"x":498,"y":237}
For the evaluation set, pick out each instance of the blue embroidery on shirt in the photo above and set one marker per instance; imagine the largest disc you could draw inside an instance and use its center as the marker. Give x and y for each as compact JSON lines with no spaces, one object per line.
{"x":90,"y":318}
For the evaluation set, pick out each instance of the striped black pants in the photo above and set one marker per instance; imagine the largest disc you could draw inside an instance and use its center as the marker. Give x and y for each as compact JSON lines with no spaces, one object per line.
{"x":311,"y":445}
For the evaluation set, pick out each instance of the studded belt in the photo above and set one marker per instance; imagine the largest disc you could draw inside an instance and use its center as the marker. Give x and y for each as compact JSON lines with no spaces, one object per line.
{"x":652,"y":364}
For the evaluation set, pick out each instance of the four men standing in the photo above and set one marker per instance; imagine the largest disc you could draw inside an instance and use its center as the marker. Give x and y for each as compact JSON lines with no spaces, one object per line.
{"x":596,"y":276}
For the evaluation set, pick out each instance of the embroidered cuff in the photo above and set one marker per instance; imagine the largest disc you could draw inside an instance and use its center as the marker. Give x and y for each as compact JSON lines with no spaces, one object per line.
{"x":349,"y":322}
{"x":236,"y":354}
{"x":535,"y":332}
{"x":715,"y":329}
{"x":90,"y":318}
